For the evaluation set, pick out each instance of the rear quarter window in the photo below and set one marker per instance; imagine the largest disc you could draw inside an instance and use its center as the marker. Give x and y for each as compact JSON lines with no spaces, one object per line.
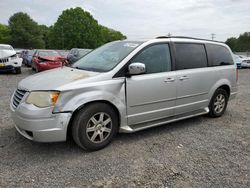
{"x":219,"y":55}
{"x":189,"y":56}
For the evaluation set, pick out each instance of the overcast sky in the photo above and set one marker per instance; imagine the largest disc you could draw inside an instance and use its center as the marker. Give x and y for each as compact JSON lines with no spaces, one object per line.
{"x":141,"y":19}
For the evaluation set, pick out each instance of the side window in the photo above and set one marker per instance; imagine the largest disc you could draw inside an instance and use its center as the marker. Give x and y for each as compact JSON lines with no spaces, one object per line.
{"x":75,"y":52}
{"x":72,"y":52}
{"x":189,"y":56}
{"x":156,"y":58}
{"x":219,"y":55}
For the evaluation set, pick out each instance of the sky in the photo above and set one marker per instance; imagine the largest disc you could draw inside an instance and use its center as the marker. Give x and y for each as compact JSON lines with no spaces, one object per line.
{"x":145,"y":19}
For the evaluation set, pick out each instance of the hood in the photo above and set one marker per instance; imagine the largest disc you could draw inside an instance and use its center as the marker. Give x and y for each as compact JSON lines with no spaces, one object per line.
{"x":51,"y":58}
{"x":54,"y":78}
{"x":6,"y":53}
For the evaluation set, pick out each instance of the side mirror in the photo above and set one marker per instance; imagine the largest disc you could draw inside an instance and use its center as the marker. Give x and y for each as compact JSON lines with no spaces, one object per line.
{"x":136,"y":68}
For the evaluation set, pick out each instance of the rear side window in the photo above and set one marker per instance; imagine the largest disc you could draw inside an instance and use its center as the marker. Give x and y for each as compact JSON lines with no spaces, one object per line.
{"x":189,"y":56}
{"x":219,"y":55}
{"x":156,"y":58}
{"x":75,"y":52}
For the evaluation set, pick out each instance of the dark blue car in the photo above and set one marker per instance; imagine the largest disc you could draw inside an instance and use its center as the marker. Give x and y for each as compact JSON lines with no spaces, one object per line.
{"x":27,"y":57}
{"x":237,"y":61}
{"x":77,"y":53}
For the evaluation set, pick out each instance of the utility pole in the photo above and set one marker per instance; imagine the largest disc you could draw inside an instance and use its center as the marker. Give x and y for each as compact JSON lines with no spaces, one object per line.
{"x":213,"y":36}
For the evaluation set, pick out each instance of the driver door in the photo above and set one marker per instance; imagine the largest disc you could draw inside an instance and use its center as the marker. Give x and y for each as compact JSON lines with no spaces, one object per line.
{"x":151,"y":96}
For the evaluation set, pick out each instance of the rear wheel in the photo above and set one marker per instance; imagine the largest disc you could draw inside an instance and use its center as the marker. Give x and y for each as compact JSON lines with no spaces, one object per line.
{"x":95,"y":126}
{"x":218,"y":103}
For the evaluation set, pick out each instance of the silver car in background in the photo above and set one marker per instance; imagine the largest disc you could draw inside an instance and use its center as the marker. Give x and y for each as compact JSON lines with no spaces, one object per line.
{"x":245,"y":61}
{"x":125,"y":86}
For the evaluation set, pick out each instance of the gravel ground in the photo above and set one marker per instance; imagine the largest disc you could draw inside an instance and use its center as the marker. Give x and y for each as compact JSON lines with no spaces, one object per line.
{"x":198,"y":152}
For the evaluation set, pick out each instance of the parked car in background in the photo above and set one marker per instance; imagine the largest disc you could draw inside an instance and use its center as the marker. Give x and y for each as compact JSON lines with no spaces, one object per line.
{"x":47,"y":59}
{"x":126,"y":86}
{"x":19,"y":52}
{"x":9,"y":61}
{"x":64,"y":53}
{"x":77,"y":53}
{"x":245,"y":61}
{"x":27,"y":57}
{"x":237,"y":61}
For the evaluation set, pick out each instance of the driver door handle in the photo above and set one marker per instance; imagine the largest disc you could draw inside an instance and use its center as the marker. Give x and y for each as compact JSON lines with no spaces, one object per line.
{"x":183,"y":78}
{"x":167,"y":80}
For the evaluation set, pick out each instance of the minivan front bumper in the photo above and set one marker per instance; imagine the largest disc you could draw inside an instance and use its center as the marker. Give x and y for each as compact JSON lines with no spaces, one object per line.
{"x":41,"y":129}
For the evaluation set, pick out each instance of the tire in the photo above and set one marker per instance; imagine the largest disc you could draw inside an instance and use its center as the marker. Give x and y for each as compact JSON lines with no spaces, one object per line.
{"x":218,"y":103}
{"x":32,"y":66}
{"x":18,"y":70}
{"x":92,"y":123}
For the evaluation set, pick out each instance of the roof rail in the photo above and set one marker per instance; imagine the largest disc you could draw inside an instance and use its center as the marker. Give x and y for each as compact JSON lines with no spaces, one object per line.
{"x":183,"y":37}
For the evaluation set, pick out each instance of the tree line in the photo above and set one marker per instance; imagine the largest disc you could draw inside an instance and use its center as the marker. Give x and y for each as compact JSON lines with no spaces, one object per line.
{"x":73,"y":28}
{"x":240,"y":44}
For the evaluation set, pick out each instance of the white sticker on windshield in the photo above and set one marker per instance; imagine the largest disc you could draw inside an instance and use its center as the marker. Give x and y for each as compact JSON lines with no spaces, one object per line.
{"x":131,"y":45}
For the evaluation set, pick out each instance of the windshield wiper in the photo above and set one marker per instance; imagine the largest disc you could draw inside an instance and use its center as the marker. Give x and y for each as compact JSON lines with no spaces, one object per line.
{"x":78,"y":68}
{"x":89,"y":69}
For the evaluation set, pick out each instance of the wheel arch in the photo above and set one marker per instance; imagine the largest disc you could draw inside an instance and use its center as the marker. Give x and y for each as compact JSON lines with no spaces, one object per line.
{"x":89,"y":103}
{"x":224,"y":84}
{"x":226,"y":88}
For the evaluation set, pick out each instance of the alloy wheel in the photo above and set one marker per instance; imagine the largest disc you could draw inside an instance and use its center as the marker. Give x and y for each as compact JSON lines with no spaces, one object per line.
{"x":99,"y":127}
{"x":219,"y":103}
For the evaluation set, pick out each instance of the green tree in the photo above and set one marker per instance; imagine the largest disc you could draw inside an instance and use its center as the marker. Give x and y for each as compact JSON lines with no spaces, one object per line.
{"x":25,"y":32}
{"x":240,"y":44}
{"x":77,"y":28}
{"x":109,"y":35}
{"x":4,"y":34}
{"x":45,"y":34}
{"x":232,"y":42}
{"x":243,"y":42}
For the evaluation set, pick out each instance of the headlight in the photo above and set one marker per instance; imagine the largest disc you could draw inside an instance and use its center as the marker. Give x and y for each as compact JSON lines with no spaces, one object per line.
{"x":13,"y":56}
{"x":43,"y":98}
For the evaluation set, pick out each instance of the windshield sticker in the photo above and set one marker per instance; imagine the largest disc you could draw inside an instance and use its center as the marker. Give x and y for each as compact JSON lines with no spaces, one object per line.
{"x":131,"y":45}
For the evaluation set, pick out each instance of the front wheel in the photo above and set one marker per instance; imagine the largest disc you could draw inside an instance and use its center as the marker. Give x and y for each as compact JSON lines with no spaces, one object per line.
{"x":95,"y":126}
{"x":218,"y":103}
{"x":18,"y":70}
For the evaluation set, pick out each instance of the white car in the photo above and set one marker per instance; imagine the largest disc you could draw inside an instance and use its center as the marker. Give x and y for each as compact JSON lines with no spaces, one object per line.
{"x":9,"y":61}
{"x":245,"y":61}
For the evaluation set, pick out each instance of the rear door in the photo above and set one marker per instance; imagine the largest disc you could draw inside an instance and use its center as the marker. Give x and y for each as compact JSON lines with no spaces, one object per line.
{"x":151,"y":96}
{"x":194,"y":78}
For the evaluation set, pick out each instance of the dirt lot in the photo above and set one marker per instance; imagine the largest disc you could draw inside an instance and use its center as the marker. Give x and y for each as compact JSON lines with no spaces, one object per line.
{"x":198,"y":152}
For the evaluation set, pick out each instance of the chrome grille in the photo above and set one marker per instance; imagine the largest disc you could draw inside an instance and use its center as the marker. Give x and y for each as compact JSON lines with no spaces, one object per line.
{"x":246,"y":61}
{"x":4,"y":60}
{"x":17,"y":97}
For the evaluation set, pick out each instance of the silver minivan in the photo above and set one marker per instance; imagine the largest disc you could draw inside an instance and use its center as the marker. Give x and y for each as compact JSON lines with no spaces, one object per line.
{"x":125,"y":86}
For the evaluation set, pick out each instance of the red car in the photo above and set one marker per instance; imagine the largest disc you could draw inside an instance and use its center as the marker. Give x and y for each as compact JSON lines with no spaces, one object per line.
{"x":47,"y":59}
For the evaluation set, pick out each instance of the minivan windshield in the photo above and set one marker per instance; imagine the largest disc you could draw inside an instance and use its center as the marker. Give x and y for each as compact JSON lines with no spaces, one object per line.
{"x":106,"y":57}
